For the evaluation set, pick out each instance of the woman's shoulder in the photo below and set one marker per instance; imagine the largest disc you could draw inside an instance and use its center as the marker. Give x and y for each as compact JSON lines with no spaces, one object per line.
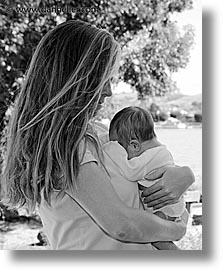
{"x":86,"y":152}
{"x":100,"y":127}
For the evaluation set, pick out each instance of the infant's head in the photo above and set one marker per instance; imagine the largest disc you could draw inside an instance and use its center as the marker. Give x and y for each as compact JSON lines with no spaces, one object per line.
{"x":131,"y":127}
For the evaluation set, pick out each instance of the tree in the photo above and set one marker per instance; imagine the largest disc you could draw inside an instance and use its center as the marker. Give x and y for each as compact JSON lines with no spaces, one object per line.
{"x":198,"y":117}
{"x":151,"y":43}
{"x":153,"y":54}
{"x":154,"y":110}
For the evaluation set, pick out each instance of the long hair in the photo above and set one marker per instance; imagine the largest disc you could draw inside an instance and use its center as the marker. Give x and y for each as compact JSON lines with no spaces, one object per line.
{"x":60,"y":95}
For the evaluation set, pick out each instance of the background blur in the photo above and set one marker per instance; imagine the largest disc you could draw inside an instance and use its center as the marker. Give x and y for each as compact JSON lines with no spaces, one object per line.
{"x":160,"y":70}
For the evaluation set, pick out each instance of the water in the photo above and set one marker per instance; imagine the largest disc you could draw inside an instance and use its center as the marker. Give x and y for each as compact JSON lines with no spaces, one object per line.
{"x":186,"y":148}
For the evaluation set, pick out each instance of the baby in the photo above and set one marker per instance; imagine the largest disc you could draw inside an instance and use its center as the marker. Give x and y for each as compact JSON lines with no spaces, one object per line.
{"x":135,"y":150}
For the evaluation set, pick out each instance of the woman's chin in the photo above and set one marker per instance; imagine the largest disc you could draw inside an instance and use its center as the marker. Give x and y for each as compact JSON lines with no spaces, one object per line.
{"x":99,"y":107}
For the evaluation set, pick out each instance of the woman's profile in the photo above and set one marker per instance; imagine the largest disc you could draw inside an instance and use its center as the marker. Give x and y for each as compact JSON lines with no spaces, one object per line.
{"x":54,"y":160}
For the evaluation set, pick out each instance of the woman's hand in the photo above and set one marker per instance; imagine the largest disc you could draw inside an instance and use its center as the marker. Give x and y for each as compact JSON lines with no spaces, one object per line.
{"x":169,"y":245}
{"x":97,"y":197}
{"x":172,"y":183}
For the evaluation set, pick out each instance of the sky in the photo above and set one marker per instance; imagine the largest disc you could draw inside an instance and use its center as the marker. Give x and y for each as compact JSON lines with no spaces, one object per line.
{"x":189,"y":80}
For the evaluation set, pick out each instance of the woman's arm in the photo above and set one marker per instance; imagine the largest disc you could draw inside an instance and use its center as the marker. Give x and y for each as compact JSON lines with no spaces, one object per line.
{"x":98,"y":198}
{"x":172,"y":183}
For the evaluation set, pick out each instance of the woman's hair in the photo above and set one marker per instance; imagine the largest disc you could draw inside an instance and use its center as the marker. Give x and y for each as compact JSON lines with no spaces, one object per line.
{"x":131,"y":123}
{"x":63,"y":85}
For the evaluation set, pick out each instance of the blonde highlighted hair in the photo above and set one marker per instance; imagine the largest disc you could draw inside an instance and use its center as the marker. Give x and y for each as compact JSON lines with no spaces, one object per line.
{"x":60,"y":95}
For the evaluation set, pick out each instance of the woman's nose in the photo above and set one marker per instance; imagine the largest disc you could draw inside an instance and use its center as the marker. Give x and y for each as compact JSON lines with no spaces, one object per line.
{"x":108,"y":90}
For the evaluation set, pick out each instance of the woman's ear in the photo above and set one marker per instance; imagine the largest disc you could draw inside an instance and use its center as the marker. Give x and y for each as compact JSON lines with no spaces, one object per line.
{"x":135,"y":145}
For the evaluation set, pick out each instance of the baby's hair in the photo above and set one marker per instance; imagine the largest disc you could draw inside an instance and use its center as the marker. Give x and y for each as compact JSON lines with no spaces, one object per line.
{"x":132,"y":123}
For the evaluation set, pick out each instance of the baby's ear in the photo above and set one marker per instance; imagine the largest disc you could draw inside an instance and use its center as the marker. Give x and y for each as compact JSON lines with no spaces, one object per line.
{"x":135,"y":145}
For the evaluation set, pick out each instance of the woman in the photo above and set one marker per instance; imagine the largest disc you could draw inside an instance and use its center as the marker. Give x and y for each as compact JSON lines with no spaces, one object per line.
{"x":54,"y":159}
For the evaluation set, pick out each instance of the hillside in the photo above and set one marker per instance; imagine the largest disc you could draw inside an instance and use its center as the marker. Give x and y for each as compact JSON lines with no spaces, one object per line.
{"x":182,"y":102}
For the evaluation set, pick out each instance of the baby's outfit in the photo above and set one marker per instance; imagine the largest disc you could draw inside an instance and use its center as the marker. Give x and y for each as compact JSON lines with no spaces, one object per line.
{"x":135,"y":169}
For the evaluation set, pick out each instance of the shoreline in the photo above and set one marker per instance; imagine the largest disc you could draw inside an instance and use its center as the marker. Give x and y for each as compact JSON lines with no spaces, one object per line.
{"x":180,"y":125}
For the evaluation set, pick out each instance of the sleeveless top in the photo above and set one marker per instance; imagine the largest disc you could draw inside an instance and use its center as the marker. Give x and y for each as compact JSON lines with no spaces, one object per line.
{"x":68,"y":227}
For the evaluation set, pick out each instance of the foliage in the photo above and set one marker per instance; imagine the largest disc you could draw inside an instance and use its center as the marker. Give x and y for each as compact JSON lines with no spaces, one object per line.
{"x":7,"y":214}
{"x":198,"y":117}
{"x":157,"y":113}
{"x":152,"y":45}
{"x":163,"y":116}
{"x":197,"y":105}
{"x":176,"y":114}
{"x":149,"y":60}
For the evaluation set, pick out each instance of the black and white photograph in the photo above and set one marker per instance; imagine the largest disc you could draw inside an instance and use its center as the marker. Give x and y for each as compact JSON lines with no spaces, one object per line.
{"x":101,"y":125}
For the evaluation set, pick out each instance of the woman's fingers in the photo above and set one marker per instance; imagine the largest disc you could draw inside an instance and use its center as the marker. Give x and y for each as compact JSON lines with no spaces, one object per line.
{"x":152,"y":198}
{"x":141,"y":187}
{"x":148,"y":191}
{"x":158,"y":203}
{"x":162,"y":204}
{"x":156,"y":197}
